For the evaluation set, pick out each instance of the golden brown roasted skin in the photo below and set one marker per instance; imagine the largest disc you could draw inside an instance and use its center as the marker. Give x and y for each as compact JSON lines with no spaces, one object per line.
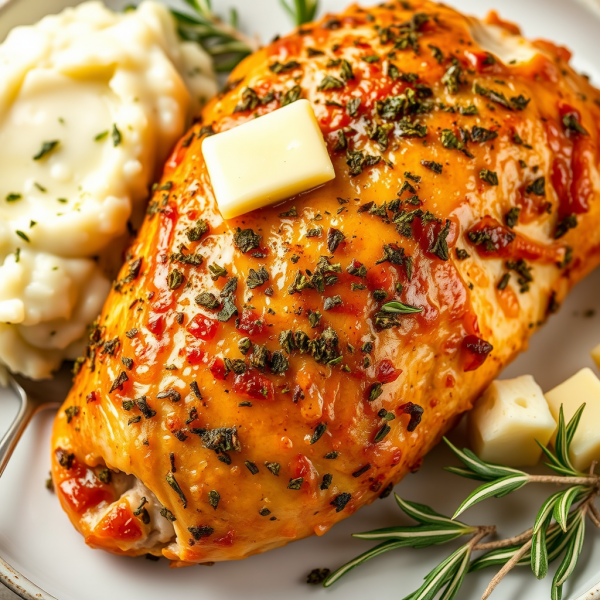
{"x":276,"y":408}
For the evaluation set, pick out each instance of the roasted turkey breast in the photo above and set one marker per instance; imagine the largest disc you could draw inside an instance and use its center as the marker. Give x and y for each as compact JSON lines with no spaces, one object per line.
{"x":251,"y":382}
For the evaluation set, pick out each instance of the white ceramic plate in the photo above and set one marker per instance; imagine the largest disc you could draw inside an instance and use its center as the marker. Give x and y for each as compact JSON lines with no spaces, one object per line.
{"x":38,"y":541}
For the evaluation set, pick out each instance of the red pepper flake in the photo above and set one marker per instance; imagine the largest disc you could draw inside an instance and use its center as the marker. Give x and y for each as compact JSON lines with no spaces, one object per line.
{"x":156,"y":323}
{"x":217,"y":368}
{"x":254,"y":385}
{"x":251,"y":324}
{"x":203,"y":327}
{"x":477,"y":351}
{"x":386,"y":372}
{"x":226,"y":540}
{"x":194,"y":355}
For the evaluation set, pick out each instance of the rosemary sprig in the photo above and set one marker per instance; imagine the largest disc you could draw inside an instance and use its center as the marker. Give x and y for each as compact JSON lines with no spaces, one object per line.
{"x":558,"y":530}
{"x":301,"y":11}
{"x":226,"y":45}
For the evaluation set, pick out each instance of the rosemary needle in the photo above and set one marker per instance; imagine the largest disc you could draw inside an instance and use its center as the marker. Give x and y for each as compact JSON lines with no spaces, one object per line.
{"x":226,"y":45}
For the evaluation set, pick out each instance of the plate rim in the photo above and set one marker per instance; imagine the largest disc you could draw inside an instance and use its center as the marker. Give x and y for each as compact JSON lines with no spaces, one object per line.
{"x":23,"y":587}
{"x":26,"y":589}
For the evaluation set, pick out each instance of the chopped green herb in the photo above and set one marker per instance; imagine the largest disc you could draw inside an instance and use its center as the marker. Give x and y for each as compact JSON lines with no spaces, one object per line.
{"x":273,"y":467}
{"x":511,"y":218}
{"x":257,"y":278}
{"x":385,"y":429}
{"x":568,"y":222}
{"x":295,"y":484}
{"x":201,"y":531}
{"x":289,"y":213}
{"x":352,"y":106}
{"x":440,"y":245}
{"x":116,"y":136}
{"x":437,"y":53}
{"x":375,"y":391}
{"x":47,"y":148}
{"x":453,"y":78}
{"x":278,"y":67}
{"x":279,"y":363}
{"x":538,"y":187}
{"x":332,"y":302}
{"x":341,"y":501}
{"x":291,"y":95}
{"x":208,"y":300}
{"x":197,"y":231}
{"x":572,"y":124}
{"x":246,"y":240}
{"x":432,"y":166}
{"x":175,"y":486}
{"x":70,"y":412}
{"x":251,"y":467}
{"x":480,"y":134}
{"x":175,"y":279}
{"x":326,"y":482}
{"x":504,"y":281}
{"x":346,"y":71}
{"x":167,"y":514}
{"x":330,"y":83}
{"x":105,"y":476}
{"x":320,"y":429}
{"x":217,"y":271}
{"x":228,"y":310}
{"x":490,"y":177}
{"x":334,"y":238}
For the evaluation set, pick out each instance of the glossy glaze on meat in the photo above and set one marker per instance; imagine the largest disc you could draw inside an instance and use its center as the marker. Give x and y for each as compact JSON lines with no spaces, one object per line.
{"x":247,"y":372}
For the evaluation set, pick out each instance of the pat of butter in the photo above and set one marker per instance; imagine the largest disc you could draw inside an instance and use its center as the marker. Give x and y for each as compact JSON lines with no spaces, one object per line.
{"x":508,"y":419}
{"x":596,"y":355}
{"x":272,"y":158}
{"x":582,"y":387}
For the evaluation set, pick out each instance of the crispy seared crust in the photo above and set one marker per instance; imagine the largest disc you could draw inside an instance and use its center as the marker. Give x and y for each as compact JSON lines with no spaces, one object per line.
{"x":435,"y":357}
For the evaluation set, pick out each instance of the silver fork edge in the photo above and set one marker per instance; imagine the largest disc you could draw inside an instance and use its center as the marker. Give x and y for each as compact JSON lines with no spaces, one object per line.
{"x":27,"y":409}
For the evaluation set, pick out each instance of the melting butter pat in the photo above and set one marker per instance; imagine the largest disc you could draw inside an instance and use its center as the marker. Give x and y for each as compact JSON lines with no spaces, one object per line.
{"x":508,"y":419}
{"x":584,"y":386}
{"x":272,"y":158}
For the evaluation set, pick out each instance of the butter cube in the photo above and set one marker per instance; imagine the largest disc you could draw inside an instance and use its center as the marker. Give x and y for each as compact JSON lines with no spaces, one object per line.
{"x":596,"y":355}
{"x":272,"y":158}
{"x":508,"y":419}
{"x":584,"y":386}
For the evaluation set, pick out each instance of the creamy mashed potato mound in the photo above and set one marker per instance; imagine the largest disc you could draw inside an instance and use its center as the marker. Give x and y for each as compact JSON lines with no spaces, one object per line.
{"x":91,"y":103}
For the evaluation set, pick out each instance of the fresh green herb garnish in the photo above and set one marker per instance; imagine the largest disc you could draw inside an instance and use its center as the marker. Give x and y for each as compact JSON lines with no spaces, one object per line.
{"x":558,"y":530}
{"x":223,"y":42}
{"x":300,"y":11}
{"x":400,"y":308}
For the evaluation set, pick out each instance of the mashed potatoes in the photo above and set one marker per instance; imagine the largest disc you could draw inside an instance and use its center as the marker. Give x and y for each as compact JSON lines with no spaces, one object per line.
{"x":91,"y":103}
